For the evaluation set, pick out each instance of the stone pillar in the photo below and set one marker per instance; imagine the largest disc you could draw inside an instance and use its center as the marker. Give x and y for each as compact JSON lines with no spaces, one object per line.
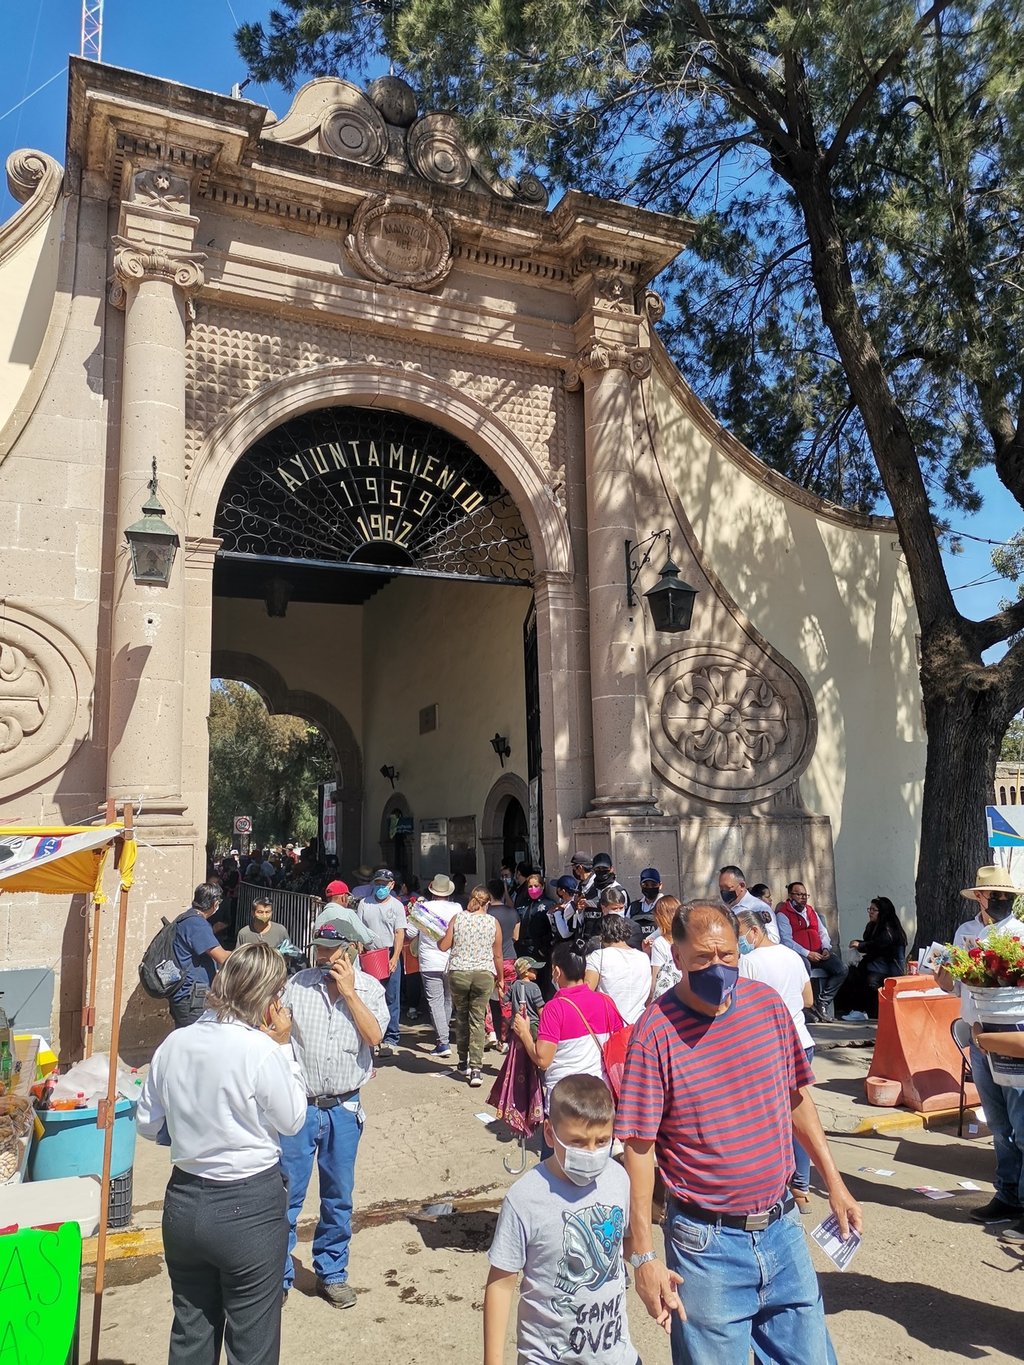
{"x":155,"y":272}
{"x":565,"y":719}
{"x":618,"y":657}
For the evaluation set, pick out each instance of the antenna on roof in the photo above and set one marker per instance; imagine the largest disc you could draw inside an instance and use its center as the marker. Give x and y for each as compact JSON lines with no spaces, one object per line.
{"x":92,"y":30}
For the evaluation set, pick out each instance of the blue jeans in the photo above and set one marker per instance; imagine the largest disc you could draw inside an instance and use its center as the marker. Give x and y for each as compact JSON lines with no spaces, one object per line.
{"x":743,"y":1290}
{"x":332,"y":1136}
{"x":1004,"y":1114}
{"x":801,"y":1160}
{"x":393,"y":999}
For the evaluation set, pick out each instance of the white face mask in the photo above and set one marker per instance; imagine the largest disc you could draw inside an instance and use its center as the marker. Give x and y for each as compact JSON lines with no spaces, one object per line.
{"x":581,"y":1165}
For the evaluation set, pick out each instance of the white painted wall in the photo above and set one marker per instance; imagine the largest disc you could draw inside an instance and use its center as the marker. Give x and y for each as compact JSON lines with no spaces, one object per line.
{"x":457,"y":644}
{"x":835,"y":600}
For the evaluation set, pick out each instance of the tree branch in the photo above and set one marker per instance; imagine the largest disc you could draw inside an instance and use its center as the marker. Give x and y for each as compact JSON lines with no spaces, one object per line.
{"x":994,"y":629}
{"x":852,"y":116}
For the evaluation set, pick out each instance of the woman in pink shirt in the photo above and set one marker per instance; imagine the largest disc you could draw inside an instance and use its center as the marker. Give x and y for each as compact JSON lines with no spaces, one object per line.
{"x":574,"y":1025}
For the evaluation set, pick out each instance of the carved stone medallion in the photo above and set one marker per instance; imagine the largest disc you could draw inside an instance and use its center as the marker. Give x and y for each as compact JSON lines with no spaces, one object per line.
{"x":729,"y":728}
{"x":397,"y":242}
{"x":45,"y":684}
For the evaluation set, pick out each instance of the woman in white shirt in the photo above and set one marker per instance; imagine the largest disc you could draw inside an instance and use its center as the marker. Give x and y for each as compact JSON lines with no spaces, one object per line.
{"x":619,"y":971}
{"x":664,"y":972}
{"x":219,"y":1093}
{"x":782,"y":969}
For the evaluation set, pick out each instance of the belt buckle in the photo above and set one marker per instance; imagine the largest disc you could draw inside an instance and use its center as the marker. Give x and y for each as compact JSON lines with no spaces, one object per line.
{"x":757,"y":1222}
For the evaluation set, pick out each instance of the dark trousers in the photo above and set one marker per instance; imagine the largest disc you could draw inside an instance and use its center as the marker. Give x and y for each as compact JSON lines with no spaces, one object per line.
{"x":189,"y":1008}
{"x":224,"y":1244}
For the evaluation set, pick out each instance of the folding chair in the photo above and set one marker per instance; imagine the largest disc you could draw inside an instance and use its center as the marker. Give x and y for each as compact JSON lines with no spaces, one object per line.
{"x":961,"y":1031}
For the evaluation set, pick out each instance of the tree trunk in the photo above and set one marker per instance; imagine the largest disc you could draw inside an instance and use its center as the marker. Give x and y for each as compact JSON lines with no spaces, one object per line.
{"x":964,"y":726}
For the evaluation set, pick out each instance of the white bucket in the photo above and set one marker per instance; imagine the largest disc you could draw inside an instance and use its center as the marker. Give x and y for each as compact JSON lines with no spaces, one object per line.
{"x":1001,"y":1010}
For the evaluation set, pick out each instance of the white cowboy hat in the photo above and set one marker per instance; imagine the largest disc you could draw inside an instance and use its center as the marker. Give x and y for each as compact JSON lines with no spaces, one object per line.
{"x":991,"y":877}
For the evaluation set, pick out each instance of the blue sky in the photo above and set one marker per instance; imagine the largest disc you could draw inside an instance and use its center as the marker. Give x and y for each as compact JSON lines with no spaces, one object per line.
{"x":191,"y":41}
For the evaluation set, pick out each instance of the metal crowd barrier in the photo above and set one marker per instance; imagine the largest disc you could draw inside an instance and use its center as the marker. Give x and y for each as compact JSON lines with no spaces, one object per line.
{"x":294,"y":909}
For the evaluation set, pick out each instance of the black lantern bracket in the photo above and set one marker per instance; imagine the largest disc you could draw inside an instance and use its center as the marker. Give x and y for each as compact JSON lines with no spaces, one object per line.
{"x":501,"y":747}
{"x":633,"y":568}
{"x":388,"y":771}
{"x":671,"y":600}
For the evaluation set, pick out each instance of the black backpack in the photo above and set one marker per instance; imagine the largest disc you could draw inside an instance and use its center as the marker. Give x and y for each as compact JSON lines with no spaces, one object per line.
{"x":159,"y":971}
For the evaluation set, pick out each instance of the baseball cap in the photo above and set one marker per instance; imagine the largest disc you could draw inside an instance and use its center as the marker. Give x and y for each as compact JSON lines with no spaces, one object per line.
{"x":602,"y":860}
{"x":332,"y":934}
{"x":337,"y":888}
{"x":526,"y":964}
{"x":383,"y":875}
{"x":581,"y":860}
{"x":567,"y":884}
{"x":650,"y":874}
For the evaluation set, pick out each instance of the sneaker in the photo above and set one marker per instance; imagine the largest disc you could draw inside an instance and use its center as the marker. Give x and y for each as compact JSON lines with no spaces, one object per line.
{"x":475,"y":1079}
{"x":502,"y":1048}
{"x":855,"y":1017}
{"x":442,"y":1050}
{"x":1015,"y":1233}
{"x":463,"y":1068}
{"x":337,"y":1295}
{"x":491,"y":1041}
{"x":995,"y":1211}
{"x":387,"y":1050}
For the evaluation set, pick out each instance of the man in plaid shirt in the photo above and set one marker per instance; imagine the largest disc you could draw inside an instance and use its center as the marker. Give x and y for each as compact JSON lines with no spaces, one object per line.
{"x":339,"y":1016}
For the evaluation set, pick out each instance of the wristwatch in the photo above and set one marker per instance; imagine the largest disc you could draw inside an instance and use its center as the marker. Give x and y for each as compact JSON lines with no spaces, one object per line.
{"x":641,"y":1258}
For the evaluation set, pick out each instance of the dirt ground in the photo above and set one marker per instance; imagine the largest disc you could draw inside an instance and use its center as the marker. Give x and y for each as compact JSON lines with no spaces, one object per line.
{"x":927,"y":1284}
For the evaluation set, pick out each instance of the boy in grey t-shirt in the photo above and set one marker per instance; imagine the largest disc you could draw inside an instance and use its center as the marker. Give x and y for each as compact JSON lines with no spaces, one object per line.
{"x":562,"y":1226}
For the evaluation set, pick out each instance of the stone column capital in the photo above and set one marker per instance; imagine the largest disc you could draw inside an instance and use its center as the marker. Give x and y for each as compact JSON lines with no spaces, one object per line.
{"x":136,"y":262}
{"x":597,"y":356}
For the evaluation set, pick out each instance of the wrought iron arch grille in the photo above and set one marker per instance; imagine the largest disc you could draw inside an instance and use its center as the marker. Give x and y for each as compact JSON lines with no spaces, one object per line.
{"x":372,"y":487}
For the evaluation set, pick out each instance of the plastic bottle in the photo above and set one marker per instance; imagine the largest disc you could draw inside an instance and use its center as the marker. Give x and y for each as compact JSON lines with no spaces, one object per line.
{"x":80,"y":1100}
{"x":46,"y":1098}
{"x":6,"y":1065}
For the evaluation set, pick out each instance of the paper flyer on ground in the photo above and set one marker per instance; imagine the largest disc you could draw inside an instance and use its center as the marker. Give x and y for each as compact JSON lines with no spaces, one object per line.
{"x":830,"y":1239}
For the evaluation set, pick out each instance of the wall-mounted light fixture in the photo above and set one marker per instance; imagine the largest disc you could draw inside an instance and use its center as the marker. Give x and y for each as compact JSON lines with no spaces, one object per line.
{"x":152,"y":542}
{"x":388,"y":771}
{"x":671,"y":600}
{"x":501,"y":747}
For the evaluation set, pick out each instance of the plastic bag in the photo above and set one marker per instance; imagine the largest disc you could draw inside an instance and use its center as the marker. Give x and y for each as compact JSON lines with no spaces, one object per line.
{"x":90,"y":1078}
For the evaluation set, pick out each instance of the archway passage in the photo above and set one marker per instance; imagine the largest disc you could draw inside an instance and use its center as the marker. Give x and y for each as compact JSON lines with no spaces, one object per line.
{"x":366,"y":558}
{"x":370,"y":492}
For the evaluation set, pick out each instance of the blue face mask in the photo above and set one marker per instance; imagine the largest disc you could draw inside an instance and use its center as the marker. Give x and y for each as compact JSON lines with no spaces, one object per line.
{"x":714,"y":984}
{"x":381,"y":893}
{"x":745,"y":946}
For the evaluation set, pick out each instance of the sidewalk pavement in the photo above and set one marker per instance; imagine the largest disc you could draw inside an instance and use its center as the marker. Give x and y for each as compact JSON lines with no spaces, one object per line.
{"x":927,"y":1285}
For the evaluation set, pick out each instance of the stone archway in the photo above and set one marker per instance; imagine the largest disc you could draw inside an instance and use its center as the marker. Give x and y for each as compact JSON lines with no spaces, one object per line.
{"x":281,"y":700}
{"x":509,"y":787}
{"x":366,"y":385}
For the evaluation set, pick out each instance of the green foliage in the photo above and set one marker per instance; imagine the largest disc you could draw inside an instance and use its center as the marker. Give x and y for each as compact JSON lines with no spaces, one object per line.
{"x":909,"y":128}
{"x":1013,"y":742}
{"x":264,"y":766}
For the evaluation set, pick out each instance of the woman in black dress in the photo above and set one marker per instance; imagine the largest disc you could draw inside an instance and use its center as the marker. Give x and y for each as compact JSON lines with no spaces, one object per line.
{"x":883,"y":950}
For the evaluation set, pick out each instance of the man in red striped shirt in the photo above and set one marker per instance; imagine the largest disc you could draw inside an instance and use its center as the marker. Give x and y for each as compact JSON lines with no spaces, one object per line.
{"x":715,"y":1085}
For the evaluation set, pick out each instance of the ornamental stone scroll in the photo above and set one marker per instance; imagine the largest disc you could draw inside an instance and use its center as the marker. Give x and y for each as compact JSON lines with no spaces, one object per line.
{"x":727,"y":727}
{"x":135,"y":262}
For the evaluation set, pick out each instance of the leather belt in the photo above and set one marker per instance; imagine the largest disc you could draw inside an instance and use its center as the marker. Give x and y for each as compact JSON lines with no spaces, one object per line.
{"x":331,"y":1101}
{"x":745,"y":1222}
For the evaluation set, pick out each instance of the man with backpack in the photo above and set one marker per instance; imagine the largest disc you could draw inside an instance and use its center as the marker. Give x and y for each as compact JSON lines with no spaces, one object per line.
{"x":198,"y":955}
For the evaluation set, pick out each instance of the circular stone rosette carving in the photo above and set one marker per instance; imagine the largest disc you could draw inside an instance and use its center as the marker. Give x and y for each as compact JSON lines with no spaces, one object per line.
{"x":355,"y":130}
{"x":728,"y":728}
{"x":396,"y":242}
{"x":437,"y":151}
{"x":45,"y":685}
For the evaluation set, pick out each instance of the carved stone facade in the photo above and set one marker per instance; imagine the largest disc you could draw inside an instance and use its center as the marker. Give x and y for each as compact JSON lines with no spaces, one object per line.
{"x":265,"y":281}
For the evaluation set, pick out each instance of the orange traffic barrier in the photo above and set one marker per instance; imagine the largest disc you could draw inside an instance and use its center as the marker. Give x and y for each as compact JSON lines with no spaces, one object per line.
{"x":913,"y":1044}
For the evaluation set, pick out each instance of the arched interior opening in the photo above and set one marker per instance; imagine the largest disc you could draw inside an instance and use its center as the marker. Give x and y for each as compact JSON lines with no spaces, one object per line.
{"x":374,"y":560}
